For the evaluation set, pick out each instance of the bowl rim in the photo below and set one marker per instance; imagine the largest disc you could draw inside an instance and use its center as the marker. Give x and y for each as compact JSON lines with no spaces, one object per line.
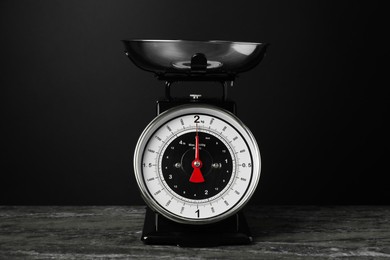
{"x":193,"y":41}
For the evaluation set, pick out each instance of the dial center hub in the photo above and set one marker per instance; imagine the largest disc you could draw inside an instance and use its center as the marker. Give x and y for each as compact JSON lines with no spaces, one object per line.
{"x":197,"y":164}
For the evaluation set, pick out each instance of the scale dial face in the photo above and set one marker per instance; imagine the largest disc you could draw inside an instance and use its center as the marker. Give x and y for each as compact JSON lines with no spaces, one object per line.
{"x":197,"y":164}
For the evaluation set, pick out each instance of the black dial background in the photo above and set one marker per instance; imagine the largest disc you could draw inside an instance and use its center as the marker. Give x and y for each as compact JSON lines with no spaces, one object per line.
{"x":211,"y":150}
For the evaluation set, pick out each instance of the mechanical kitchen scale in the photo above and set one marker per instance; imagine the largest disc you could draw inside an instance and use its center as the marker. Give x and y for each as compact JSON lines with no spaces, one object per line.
{"x":196,"y":163}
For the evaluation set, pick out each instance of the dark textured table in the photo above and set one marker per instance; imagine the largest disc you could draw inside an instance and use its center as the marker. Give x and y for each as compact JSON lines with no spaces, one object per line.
{"x":280,"y":232}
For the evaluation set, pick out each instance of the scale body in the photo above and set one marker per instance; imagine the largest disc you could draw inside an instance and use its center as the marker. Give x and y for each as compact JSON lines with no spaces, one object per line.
{"x":196,"y":163}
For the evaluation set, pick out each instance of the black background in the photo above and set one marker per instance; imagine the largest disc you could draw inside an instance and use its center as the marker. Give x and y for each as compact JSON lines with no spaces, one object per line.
{"x":73,"y":106}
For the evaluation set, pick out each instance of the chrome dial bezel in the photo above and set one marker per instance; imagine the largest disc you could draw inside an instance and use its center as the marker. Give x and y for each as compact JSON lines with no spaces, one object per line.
{"x":224,"y":115}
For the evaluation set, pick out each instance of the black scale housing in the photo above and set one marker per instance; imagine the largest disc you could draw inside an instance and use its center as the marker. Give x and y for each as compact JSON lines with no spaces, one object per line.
{"x":159,"y":230}
{"x":163,"y":105}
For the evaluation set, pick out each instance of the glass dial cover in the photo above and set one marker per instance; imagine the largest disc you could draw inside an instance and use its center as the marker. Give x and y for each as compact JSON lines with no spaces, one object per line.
{"x":197,"y":164}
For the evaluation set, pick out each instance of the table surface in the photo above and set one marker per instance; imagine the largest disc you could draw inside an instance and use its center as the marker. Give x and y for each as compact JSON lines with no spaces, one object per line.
{"x":113,"y":232}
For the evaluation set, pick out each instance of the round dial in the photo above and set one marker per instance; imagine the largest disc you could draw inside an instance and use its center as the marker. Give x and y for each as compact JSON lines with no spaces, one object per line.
{"x":197,"y":164}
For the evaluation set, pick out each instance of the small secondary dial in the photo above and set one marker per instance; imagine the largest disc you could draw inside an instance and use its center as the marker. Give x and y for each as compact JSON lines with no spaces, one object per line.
{"x":197,"y":165}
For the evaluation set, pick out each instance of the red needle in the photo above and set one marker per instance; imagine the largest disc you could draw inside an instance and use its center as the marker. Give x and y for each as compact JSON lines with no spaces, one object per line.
{"x":196,"y":176}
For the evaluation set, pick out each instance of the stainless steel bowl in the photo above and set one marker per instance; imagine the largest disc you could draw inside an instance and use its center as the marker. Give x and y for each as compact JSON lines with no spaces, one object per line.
{"x":174,"y":56}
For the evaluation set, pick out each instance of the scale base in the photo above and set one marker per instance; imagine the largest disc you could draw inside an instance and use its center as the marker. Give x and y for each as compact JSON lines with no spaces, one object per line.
{"x":159,"y":230}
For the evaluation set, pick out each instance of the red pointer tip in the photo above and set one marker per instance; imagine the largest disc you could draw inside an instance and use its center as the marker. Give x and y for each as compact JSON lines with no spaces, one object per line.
{"x":197,"y":176}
